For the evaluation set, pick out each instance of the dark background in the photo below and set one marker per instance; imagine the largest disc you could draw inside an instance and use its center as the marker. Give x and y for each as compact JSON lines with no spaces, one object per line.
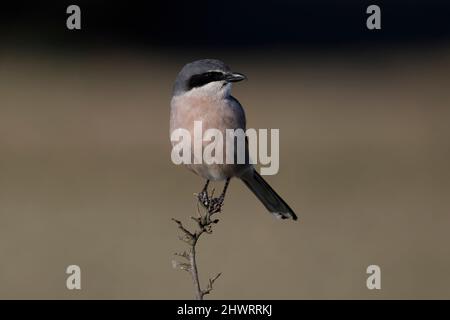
{"x":324,"y":23}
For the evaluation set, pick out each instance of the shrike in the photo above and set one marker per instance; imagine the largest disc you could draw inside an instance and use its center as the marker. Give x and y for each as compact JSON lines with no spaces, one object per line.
{"x":202,"y":92}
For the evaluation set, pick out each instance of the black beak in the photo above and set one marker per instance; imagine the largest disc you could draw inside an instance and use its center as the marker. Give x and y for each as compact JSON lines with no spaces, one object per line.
{"x":235,"y":77}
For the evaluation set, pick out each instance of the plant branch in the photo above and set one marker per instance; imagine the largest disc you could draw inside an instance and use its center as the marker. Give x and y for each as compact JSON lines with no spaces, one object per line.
{"x":204,"y":223}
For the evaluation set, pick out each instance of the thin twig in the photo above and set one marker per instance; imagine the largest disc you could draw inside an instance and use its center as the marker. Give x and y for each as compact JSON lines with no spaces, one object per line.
{"x":204,"y":222}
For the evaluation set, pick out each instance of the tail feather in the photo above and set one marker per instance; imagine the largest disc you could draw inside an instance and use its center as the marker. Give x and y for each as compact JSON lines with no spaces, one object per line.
{"x":269,"y":198}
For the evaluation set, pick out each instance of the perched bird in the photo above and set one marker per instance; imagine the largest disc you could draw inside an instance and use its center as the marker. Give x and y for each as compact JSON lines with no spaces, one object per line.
{"x":202,"y":92}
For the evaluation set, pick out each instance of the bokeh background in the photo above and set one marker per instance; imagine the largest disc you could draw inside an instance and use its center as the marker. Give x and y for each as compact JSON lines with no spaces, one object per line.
{"x":85,"y":170}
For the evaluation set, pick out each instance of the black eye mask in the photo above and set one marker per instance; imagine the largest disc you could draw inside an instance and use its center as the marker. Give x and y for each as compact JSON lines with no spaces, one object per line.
{"x":199,"y":80}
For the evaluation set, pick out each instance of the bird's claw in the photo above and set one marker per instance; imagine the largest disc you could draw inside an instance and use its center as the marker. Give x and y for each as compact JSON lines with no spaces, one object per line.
{"x":204,"y":199}
{"x":215,"y":205}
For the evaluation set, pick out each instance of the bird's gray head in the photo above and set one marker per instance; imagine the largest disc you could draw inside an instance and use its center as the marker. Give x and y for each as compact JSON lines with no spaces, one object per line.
{"x":206,"y":77}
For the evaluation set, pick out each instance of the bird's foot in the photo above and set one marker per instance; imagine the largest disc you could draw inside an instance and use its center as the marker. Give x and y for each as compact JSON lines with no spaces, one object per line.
{"x":215,"y":205}
{"x":204,"y":199}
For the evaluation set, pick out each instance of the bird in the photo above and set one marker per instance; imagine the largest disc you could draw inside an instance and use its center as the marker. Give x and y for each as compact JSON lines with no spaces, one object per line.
{"x":202,"y":92}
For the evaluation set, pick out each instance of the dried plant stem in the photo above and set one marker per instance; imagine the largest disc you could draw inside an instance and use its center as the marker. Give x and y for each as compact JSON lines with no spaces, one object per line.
{"x":194,"y":272}
{"x":204,"y":222}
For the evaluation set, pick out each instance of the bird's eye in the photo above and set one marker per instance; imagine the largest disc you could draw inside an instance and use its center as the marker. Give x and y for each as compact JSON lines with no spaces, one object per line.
{"x":199,"y":80}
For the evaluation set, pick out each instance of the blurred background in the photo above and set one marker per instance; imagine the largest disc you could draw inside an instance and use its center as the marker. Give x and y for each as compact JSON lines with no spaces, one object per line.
{"x":85,"y":170}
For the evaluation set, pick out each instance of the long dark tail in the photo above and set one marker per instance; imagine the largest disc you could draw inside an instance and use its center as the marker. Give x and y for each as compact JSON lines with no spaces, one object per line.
{"x":269,"y":198}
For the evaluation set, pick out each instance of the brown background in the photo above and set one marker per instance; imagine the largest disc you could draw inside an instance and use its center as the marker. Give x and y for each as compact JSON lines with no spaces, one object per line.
{"x":86,"y":176}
